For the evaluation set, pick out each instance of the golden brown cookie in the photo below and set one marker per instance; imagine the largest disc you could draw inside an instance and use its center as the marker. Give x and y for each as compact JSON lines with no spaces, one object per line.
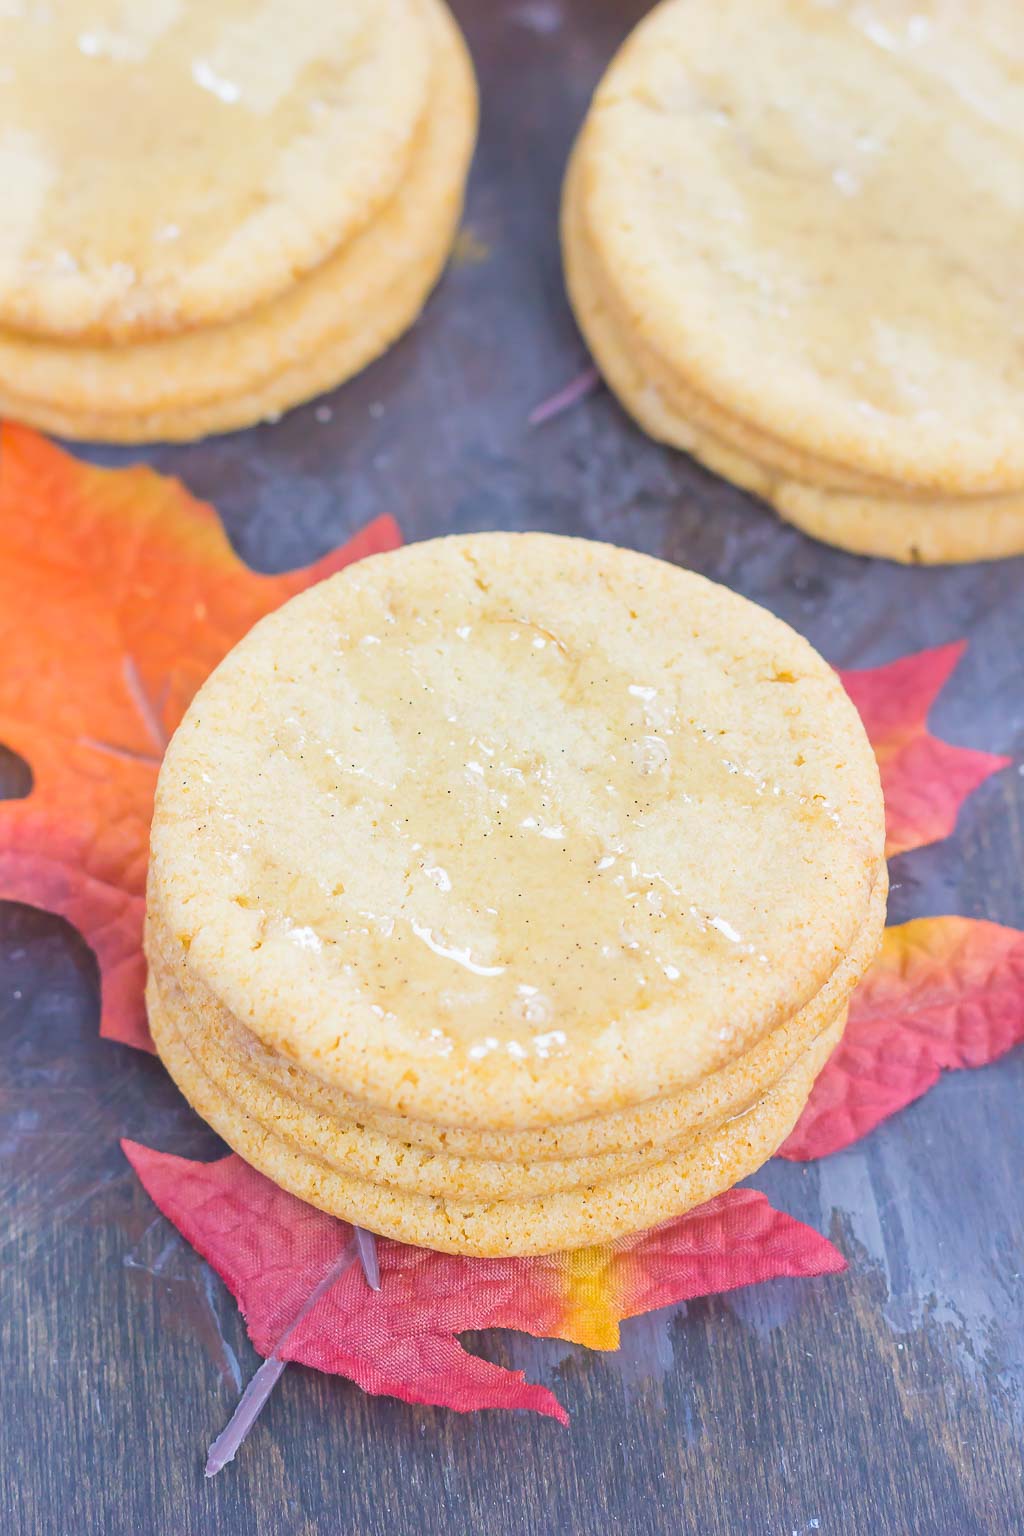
{"x":823,"y":312}
{"x":507,"y":892}
{"x":167,"y":164}
{"x":567,"y":830}
{"x":446,"y":1160}
{"x":498,"y":1227}
{"x":321,"y":330}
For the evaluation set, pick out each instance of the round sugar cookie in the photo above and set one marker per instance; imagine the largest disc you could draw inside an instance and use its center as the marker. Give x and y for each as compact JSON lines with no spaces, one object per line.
{"x":859,"y":513}
{"x":234,"y":1057}
{"x":816,"y":235}
{"x":358,"y":1149}
{"x":503,"y":831}
{"x":499,"y":1228}
{"x":328,"y":326}
{"x":173,"y":163}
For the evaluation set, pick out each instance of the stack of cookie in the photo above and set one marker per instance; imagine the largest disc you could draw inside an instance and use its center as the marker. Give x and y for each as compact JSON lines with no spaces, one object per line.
{"x":507,"y":892}
{"x":211,"y":213}
{"x":795,"y":256}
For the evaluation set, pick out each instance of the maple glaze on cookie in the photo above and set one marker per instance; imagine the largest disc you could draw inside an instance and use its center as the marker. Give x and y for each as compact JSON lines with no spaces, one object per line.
{"x":504,"y":831}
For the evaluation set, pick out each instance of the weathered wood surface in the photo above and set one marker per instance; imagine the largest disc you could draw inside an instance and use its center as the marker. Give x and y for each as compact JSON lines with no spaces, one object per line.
{"x":886,"y":1401}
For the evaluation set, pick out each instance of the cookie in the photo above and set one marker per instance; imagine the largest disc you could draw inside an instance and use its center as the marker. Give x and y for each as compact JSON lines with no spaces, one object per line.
{"x":172,"y":165}
{"x":785,"y":265}
{"x":356,"y":1150}
{"x":498,"y":1228}
{"x":568,"y":829}
{"x":326,"y":327}
{"x":854,"y":513}
{"x":507,"y":892}
{"x":353,"y":1136}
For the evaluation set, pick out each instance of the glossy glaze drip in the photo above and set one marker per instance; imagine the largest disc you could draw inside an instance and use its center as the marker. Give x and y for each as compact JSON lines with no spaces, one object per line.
{"x":505,"y":841}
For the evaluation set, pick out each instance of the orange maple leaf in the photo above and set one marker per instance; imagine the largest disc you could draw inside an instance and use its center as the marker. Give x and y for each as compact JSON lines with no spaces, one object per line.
{"x":925,"y":781}
{"x":119,"y":593}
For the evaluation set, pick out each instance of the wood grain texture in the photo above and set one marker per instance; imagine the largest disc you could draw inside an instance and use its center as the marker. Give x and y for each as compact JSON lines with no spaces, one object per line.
{"x":888,"y":1400}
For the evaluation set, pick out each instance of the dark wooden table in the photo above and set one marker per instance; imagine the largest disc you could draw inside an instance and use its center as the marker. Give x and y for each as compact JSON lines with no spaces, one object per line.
{"x":886,"y":1401}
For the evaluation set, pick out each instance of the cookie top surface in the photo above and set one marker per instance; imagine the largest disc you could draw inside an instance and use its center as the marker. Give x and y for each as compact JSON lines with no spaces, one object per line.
{"x":504,"y":830}
{"x":169,"y":163}
{"x":820,"y":225}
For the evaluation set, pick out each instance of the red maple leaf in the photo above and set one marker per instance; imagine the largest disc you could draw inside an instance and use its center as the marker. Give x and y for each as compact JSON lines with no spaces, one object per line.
{"x":272,"y":1251}
{"x":924,"y":781}
{"x":119,"y":593}
{"x":945,"y":992}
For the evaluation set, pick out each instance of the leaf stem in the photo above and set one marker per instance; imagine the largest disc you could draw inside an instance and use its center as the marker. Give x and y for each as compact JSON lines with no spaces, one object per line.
{"x":253,"y":1400}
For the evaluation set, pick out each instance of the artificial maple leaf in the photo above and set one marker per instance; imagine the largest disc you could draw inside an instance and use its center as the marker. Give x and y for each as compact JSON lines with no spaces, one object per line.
{"x":924,"y":781}
{"x":945,"y":992}
{"x":119,"y":593}
{"x":272,"y":1251}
